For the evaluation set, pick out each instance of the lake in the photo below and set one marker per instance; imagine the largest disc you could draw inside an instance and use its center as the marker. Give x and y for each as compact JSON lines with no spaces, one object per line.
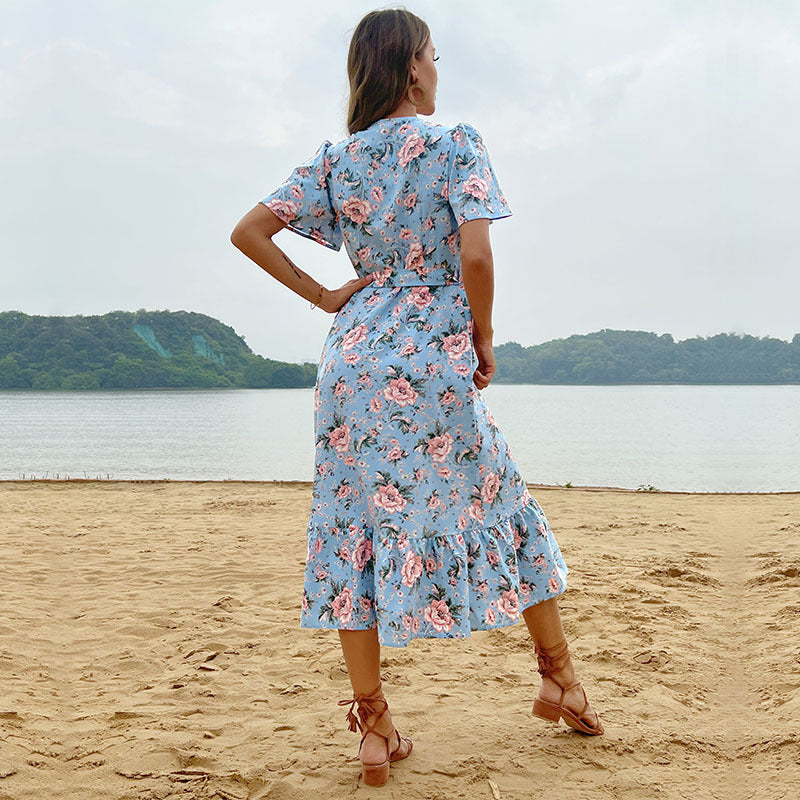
{"x":741,"y":438}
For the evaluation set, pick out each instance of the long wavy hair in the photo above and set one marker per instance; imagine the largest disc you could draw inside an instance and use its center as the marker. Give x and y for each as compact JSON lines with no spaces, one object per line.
{"x":382,"y":49}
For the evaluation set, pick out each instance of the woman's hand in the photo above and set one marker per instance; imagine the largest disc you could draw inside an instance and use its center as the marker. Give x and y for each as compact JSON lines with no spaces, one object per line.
{"x":334,"y":299}
{"x":486,"y":363}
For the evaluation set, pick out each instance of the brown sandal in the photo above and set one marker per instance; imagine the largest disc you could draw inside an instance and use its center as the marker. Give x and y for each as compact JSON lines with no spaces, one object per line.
{"x":552,"y":660}
{"x":374,"y":774}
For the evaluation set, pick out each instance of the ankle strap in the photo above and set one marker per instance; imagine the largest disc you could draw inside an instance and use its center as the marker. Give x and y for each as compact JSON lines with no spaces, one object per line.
{"x":366,"y":707}
{"x":552,"y":659}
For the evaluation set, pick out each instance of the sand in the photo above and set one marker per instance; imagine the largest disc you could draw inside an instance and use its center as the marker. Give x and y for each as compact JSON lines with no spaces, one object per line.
{"x":150,"y":648}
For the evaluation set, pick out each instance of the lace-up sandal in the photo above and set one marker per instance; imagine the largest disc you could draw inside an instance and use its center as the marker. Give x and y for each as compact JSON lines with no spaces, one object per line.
{"x":374,"y":774}
{"x":552,"y":660}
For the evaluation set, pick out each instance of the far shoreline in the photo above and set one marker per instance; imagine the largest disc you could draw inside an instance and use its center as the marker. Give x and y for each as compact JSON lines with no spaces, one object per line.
{"x":309,"y":484}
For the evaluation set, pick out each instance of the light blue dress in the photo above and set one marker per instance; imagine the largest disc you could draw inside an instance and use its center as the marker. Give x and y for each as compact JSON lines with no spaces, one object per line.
{"x":421,"y":522}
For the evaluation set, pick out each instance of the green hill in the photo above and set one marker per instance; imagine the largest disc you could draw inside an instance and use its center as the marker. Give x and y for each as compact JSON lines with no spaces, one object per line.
{"x":132,"y":350}
{"x":182,"y":349}
{"x":610,"y":356}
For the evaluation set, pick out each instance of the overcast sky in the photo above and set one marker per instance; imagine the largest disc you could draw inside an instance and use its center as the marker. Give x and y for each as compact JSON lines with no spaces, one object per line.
{"x":650,"y":152}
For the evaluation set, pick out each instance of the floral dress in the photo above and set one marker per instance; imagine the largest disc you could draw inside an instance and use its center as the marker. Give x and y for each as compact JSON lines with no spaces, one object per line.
{"x":421,"y":523}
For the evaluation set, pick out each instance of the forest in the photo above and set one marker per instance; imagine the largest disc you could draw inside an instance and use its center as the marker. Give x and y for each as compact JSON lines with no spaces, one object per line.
{"x":183,"y":349}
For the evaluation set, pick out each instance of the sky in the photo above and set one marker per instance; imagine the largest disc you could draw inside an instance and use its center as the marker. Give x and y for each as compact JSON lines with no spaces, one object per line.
{"x":650,"y":152}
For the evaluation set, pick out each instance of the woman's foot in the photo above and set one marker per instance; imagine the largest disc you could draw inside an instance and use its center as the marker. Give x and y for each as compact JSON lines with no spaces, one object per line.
{"x":373,"y":749}
{"x":560,"y":695}
{"x":574,"y":698}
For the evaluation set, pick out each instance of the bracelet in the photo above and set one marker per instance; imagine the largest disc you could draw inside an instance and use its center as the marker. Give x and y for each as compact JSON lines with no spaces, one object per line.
{"x":314,"y":305}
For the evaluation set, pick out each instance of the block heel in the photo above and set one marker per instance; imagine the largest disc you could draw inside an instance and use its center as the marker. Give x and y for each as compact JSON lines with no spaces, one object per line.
{"x":374,"y":774}
{"x":552,"y":660}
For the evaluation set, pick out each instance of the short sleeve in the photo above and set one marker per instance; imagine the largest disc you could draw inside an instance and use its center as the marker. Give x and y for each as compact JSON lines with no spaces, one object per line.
{"x":304,"y":200}
{"x":472,"y":186}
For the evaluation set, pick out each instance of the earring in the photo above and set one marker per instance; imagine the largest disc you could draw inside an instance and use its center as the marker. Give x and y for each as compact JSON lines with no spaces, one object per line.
{"x":410,"y":93}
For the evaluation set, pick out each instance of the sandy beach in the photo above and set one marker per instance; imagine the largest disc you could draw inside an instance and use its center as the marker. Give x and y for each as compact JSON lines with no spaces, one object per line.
{"x":150,"y":648}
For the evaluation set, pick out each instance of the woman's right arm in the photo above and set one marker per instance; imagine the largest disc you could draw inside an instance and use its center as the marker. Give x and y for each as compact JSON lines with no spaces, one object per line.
{"x":477,"y":270}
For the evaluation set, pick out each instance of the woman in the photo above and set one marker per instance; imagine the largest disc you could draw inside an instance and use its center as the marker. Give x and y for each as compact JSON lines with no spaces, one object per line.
{"x":421,"y":524}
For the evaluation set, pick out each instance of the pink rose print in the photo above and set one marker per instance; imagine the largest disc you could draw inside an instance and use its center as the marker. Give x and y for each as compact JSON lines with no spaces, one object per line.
{"x":339,"y":438}
{"x":475,"y":510}
{"x":318,"y":545}
{"x":375,"y":405}
{"x":439,"y":447}
{"x":343,"y":605}
{"x":415,"y":260}
{"x":356,"y":209}
{"x":413,"y":146}
{"x":304,"y":603}
{"x":400,"y":391}
{"x":462,"y":369}
{"x":415,"y":625}
{"x":409,"y":348}
{"x":456,"y":345}
{"x":430,"y":565}
{"x":508,"y":604}
{"x":407,"y":621}
{"x":283,"y":209}
{"x":377,"y":194}
{"x":363,"y":253}
{"x":340,"y":389}
{"x":389,"y":498}
{"x":381,"y":276}
{"x":491,"y":617}
{"x":395,"y":454}
{"x":354,"y":337}
{"x":296,"y":191}
{"x":553,"y":585}
{"x":477,"y":187}
{"x":493,"y":557}
{"x":362,"y":552}
{"x":411,"y":569}
{"x":345,"y":490}
{"x":438,"y":614}
{"x":491,"y":484}
{"x":443,"y":472}
{"x":352,"y":358}
{"x":517,"y":539}
{"x":420,"y":296}
{"x":365,"y":603}
{"x":410,"y":200}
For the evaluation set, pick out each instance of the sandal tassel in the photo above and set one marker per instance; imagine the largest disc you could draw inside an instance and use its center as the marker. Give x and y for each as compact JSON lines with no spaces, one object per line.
{"x":373,"y":774}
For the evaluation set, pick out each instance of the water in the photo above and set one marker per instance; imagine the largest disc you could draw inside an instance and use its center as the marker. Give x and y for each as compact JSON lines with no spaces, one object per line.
{"x":675,"y":438}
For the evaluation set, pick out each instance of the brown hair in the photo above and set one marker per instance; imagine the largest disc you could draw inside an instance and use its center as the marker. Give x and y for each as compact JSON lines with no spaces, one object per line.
{"x":382,"y":48}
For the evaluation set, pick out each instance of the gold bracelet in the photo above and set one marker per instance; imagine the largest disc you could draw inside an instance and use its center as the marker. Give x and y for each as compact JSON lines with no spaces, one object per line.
{"x":314,"y":305}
